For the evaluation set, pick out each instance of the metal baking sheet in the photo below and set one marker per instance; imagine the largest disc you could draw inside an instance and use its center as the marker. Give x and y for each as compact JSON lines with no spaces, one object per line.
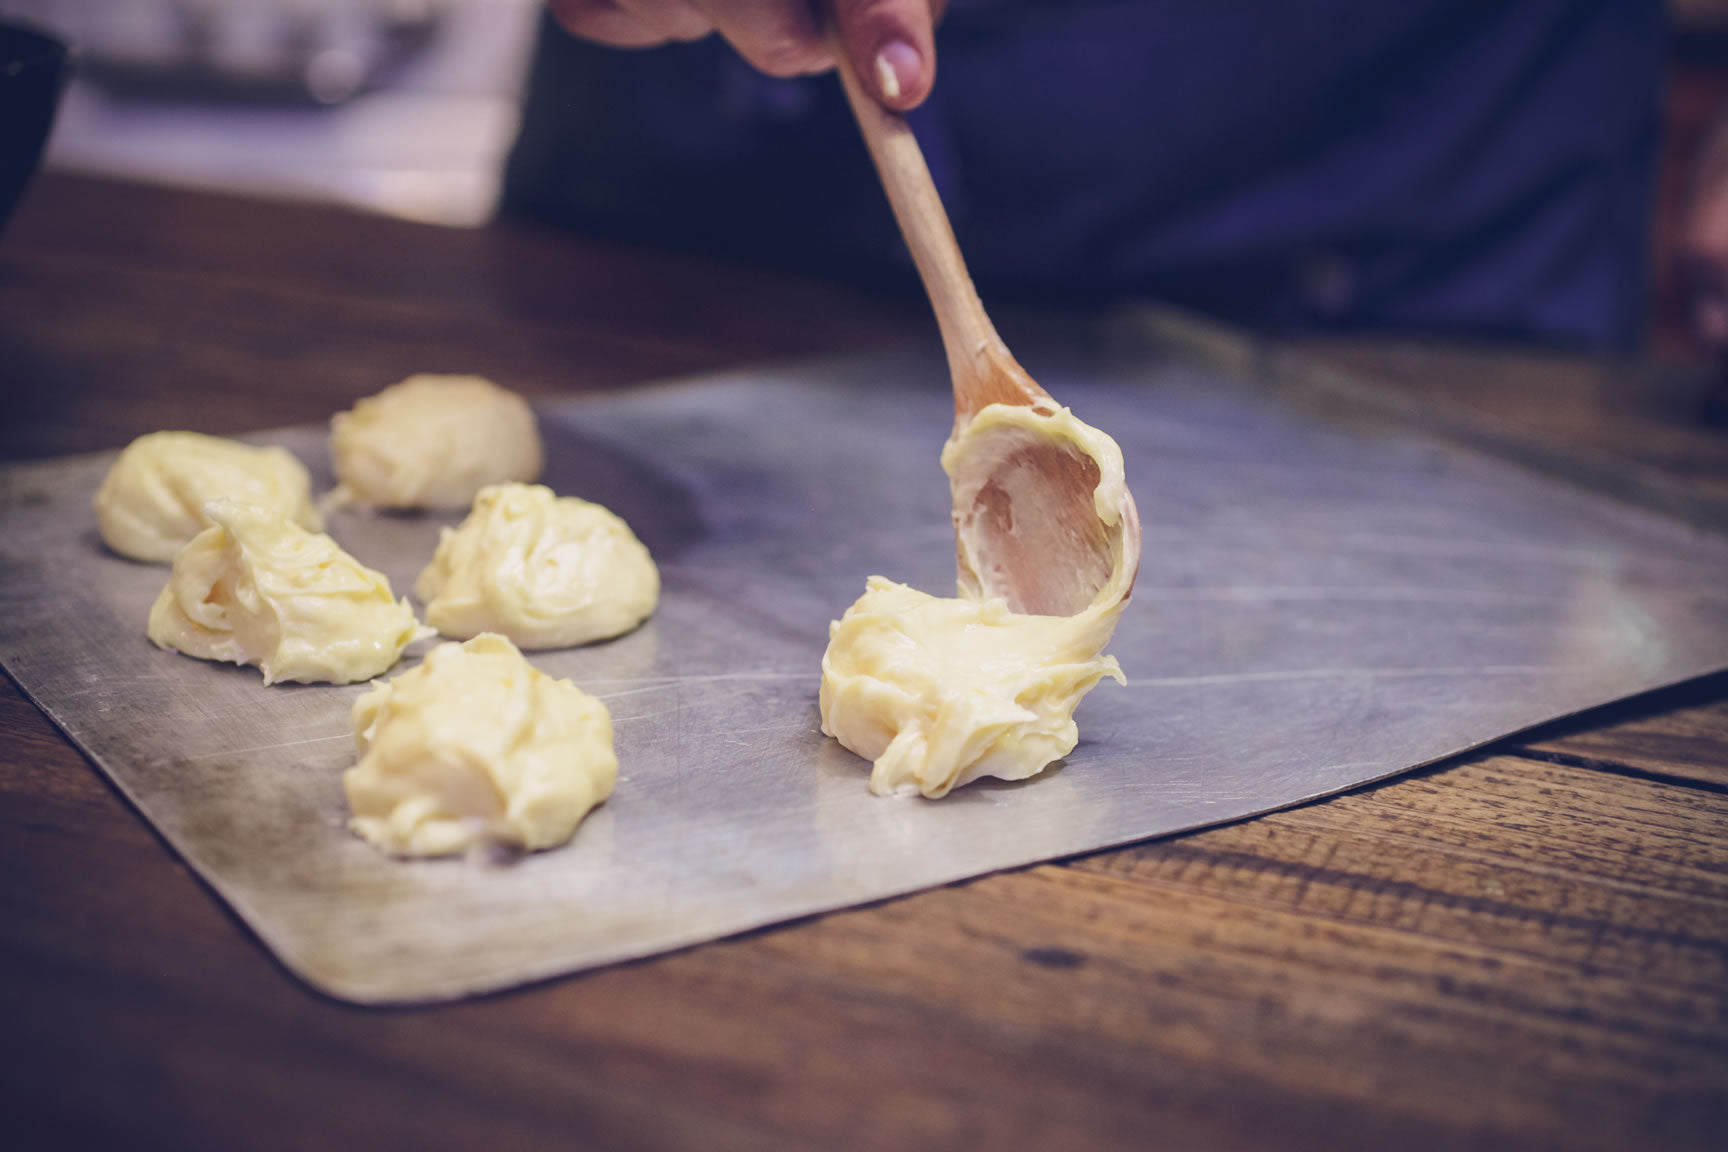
{"x":1322,"y":603}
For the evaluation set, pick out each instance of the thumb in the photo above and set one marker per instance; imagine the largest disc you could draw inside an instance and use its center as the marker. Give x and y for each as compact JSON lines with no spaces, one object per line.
{"x":892,"y":46}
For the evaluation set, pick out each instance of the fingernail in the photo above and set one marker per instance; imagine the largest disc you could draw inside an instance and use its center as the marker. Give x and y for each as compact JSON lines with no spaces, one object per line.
{"x":897,"y":67}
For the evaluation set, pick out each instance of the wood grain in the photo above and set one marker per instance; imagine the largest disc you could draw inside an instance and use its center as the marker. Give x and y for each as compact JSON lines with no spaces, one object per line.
{"x":1676,"y":735}
{"x":126,"y":313}
{"x":1527,"y":948}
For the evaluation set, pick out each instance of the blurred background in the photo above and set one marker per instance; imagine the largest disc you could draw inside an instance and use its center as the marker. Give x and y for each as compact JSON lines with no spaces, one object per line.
{"x":405,"y":107}
{"x":408,"y":107}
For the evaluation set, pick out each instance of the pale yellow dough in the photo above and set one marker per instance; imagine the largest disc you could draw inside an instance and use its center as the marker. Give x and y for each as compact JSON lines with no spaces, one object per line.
{"x":151,"y":503}
{"x":545,"y":571}
{"x":477,"y":746}
{"x":255,"y":588}
{"x":433,"y":442}
{"x":940,"y":692}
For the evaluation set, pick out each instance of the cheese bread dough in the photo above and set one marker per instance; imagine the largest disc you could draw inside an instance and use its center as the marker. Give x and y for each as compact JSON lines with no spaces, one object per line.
{"x":433,"y":442}
{"x":939,"y":692}
{"x":152,"y":500}
{"x":255,"y":588}
{"x":545,"y":571}
{"x":477,"y":746}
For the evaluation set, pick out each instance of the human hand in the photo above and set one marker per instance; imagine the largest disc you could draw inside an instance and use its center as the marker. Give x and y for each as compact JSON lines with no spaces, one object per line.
{"x":891,"y":42}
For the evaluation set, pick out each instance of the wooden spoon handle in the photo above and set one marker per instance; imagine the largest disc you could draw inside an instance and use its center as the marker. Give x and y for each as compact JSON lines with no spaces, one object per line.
{"x":983,"y":370}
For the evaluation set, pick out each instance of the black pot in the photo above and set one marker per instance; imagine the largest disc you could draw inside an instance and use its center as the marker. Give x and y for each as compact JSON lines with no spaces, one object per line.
{"x":33,"y":71}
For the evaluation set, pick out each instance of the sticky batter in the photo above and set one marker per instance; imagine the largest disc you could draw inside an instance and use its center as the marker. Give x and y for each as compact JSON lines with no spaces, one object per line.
{"x":433,"y":442}
{"x":940,"y":692}
{"x":256,"y":588}
{"x":545,"y":571}
{"x":477,"y":746}
{"x":151,"y":503}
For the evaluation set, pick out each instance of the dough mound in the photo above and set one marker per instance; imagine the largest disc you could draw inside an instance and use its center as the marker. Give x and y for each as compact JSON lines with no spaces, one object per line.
{"x":545,"y":571}
{"x":152,"y":501}
{"x":433,"y":442}
{"x":477,"y":746}
{"x":255,"y":588}
{"x":939,"y":692}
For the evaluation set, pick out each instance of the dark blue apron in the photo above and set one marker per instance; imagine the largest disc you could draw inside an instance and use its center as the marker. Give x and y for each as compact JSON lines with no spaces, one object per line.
{"x":1479,"y":167}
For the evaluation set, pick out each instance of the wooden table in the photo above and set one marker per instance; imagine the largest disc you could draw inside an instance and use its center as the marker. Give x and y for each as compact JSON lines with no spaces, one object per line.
{"x":1527,"y":948}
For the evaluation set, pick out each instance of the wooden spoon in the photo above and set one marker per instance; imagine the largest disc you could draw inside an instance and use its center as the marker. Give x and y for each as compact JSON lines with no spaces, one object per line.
{"x":1030,"y":523}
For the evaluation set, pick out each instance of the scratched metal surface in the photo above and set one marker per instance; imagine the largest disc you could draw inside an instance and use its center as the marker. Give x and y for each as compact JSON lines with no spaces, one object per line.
{"x":1320,"y":605}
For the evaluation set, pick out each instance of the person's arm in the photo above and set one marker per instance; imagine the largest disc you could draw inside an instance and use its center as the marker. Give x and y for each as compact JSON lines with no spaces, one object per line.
{"x":1704,"y":262}
{"x":891,"y":42}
